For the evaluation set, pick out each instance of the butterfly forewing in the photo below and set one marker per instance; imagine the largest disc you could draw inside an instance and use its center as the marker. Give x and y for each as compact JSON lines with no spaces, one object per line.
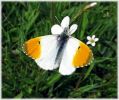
{"x":43,"y":50}
{"x":76,"y":54}
{"x":32,"y":48}
{"x":83,"y":55}
{"x":49,"y":49}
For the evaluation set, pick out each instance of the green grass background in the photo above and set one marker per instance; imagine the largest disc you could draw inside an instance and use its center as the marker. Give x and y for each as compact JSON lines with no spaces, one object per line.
{"x":22,"y":78}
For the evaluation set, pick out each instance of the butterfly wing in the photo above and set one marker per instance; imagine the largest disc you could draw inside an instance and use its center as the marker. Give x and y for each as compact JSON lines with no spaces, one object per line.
{"x":32,"y":48}
{"x":76,"y":54}
{"x":43,"y":50}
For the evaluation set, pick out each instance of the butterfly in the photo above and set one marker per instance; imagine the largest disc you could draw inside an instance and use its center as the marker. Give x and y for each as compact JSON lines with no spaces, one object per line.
{"x":59,"y":49}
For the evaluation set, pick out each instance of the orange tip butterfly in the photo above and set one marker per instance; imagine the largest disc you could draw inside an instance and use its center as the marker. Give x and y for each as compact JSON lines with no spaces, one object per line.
{"x":59,"y":49}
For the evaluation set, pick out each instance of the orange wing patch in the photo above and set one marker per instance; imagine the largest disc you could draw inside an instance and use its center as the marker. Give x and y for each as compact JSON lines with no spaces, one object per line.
{"x":33,"y":48}
{"x":83,"y":56}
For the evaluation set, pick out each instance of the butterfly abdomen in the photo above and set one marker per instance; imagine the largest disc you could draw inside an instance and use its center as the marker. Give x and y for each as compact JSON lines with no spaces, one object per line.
{"x":62,"y":40}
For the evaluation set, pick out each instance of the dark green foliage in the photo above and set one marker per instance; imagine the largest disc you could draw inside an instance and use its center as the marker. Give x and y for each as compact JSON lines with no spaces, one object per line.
{"x":22,"y":78}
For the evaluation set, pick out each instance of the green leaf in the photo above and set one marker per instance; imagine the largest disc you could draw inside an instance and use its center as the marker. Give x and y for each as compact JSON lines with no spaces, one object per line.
{"x":20,"y":95}
{"x":84,"y":24}
{"x":81,"y":90}
{"x":53,"y":79}
{"x":88,"y":71}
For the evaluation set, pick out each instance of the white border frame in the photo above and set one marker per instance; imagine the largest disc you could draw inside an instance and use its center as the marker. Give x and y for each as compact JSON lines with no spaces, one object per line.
{"x":60,"y":1}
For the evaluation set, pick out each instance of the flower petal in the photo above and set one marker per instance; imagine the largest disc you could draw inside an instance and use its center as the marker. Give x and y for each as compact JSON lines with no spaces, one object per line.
{"x":93,"y":37}
{"x":96,"y":39}
{"x":56,"y":29}
{"x":65,"y":22}
{"x":88,"y":37}
{"x":93,"y":44}
{"x":88,"y":42}
{"x":73,"y":28}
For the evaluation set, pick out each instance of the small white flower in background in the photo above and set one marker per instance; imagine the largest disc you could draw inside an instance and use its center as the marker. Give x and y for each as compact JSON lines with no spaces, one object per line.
{"x":92,"y":40}
{"x":64,"y":27}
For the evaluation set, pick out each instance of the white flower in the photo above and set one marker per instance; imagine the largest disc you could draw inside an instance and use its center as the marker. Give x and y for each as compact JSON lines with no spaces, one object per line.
{"x":92,"y":40}
{"x":64,"y":27}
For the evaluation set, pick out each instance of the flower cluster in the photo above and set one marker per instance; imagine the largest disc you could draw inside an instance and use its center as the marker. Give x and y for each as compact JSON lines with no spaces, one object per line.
{"x":64,"y":27}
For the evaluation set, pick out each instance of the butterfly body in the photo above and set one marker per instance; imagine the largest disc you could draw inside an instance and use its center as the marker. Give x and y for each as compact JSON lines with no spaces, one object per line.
{"x":62,"y":41}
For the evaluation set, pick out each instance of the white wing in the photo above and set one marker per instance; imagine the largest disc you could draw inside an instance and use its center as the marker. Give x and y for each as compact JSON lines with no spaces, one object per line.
{"x":66,"y":66}
{"x":76,"y":54}
{"x":49,"y":51}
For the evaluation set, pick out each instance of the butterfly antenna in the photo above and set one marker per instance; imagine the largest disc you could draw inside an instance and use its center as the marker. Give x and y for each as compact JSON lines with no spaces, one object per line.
{"x":57,"y":19}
